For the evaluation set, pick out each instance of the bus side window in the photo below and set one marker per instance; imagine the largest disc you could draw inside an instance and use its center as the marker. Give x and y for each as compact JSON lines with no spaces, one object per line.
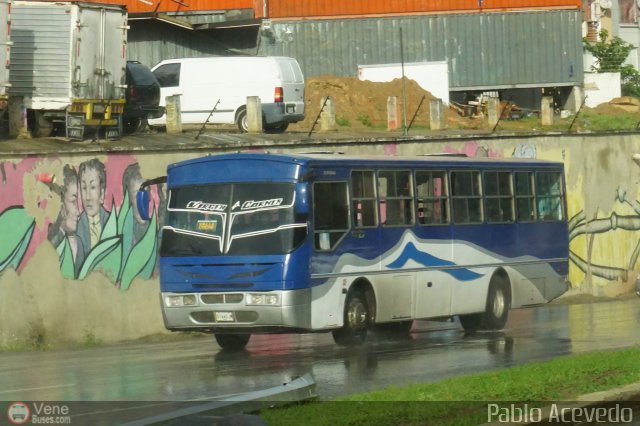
{"x":432,"y":193}
{"x":363,"y":199}
{"x":330,"y":214}
{"x":498,"y":196}
{"x":525,"y":199}
{"x":466,"y":197}
{"x":549,"y":196}
{"x":395,"y":191}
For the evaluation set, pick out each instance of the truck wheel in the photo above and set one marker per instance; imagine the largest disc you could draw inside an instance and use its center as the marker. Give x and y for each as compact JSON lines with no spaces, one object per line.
{"x":496,"y":311}
{"x":232,"y":342}
{"x":356,"y":321}
{"x":131,"y":126}
{"x":241,"y":121}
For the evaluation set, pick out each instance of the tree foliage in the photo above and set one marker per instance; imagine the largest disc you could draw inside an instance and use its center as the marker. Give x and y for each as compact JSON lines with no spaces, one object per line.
{"x":609,"y":55}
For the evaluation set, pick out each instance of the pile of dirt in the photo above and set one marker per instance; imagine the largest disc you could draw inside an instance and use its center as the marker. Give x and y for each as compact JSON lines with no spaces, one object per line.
{"x":363,"y":104}
{"x":615,"y":106}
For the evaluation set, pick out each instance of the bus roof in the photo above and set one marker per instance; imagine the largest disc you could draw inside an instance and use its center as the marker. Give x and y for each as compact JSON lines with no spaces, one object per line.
{"x":337,"y":159}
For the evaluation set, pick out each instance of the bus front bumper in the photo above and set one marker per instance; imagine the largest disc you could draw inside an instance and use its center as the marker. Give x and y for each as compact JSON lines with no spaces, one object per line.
{"x":245,"y":311}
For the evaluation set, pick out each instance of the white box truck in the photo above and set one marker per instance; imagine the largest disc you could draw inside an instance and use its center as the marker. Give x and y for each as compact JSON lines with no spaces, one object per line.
{"x":5,"y":47}
{"x":68,"y":63}
{"x":202,"y":82}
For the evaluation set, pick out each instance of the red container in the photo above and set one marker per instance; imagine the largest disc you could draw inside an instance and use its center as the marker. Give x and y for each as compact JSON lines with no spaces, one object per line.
{"x":342,"y":8}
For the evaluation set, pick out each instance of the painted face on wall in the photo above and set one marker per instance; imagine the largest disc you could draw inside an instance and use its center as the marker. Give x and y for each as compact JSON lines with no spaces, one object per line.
{"x":91,"y":191}
{"x":70,"y":209}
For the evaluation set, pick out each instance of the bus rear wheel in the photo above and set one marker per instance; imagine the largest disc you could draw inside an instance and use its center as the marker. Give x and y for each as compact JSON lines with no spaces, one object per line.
{"x":497,"y":308}
{"x":232,"y":342}
{"x":356,"y":321}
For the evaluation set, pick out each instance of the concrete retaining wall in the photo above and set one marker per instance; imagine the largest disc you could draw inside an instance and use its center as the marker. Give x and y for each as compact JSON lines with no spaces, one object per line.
{"x":56,"y":288}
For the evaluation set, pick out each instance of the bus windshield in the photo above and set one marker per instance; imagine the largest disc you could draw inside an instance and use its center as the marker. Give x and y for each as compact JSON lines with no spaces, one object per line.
{"x":232,"y":219}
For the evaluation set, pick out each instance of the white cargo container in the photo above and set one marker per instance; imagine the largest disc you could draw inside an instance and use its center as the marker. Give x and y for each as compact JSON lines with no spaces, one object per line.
{"x":68,"y":62}
{"x":5,"y":43}
{"x":431,"y":76}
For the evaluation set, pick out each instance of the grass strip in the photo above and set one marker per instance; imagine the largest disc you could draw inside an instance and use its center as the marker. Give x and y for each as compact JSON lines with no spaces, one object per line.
{"x":463,"y":400}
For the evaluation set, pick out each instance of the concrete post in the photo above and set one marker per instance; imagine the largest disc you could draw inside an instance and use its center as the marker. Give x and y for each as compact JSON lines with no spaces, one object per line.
{"x":174,"y":114}
{"x":437,"y":116}
{"x":546,"y":111}
{"x":254,"y":114}
{"x":393,"y":113}
{"x":328,"y":115}
{"x":493,"y":111}
{"x":17,"y":111}
{"x":574,"y":101}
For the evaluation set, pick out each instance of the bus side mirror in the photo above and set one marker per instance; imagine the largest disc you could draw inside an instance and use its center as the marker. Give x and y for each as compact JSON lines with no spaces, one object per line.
{"x":142,"y":202}
{"x":302,"y":198}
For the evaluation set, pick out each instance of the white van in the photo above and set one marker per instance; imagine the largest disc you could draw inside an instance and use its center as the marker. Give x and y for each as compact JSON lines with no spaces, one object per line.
{"x":202,"y":82}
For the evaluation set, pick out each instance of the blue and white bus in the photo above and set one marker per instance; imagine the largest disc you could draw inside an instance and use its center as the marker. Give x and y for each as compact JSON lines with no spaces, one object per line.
{"x":271,"y":243}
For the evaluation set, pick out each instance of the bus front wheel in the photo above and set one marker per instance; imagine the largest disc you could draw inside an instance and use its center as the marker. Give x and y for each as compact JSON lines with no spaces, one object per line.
{"x":356,"y":321}
{"x":497,"y":308}
{"x":232,"y":342}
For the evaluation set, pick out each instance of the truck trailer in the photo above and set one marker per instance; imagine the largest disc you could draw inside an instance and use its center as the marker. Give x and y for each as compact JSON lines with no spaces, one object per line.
{"x":5,"y":46}
{"x":68,"y":65}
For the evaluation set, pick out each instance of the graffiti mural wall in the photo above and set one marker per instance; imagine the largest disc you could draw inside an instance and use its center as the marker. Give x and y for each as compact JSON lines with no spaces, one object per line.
{"x":603,"y":206}
{"x":76,"y":259}
{"x":87,"y":212}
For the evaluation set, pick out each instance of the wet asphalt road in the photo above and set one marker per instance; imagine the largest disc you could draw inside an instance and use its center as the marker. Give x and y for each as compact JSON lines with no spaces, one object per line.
{"x":196,"y":369}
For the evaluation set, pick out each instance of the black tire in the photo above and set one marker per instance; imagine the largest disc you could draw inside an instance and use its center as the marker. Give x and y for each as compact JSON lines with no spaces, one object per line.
{"x":241,"y":121}
{"x":276,"y":127}
{"x":232,"y":342}
{"x":131,"y":126}
{"x":356,"y":321}
{"x":496,"y":311}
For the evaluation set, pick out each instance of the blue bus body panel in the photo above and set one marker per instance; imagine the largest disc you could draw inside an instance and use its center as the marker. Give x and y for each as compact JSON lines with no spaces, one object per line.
{"x":235,"y":273}
{"x":224,"y":168}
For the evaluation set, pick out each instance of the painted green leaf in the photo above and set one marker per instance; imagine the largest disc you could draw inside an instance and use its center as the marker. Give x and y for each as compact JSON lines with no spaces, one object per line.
{"x":99,"y":252}
{"x":60,"y":248}
{"x":147,"y":271}
{"x":127,"y":236}
{"x":124,"y":212}
{"x":110,"y":228}
{"x":16,"y":228}
{"x":111,"y":264}
{"x":140,"y":255}
{"x":66,"y":260}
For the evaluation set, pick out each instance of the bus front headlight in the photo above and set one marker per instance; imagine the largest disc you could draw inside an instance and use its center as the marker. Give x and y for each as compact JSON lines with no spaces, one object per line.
{"x":177,"y":301}
{"x":263,"y":299}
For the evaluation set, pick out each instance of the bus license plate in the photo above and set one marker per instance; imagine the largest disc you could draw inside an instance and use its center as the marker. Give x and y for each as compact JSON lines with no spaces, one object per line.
{"x":223,"y":316}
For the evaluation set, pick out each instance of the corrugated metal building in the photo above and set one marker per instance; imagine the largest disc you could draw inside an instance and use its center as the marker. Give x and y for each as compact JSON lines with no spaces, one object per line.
{"x":488,"y":44}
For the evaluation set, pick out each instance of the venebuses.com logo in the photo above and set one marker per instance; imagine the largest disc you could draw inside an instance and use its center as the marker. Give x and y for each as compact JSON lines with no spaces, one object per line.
{"x":18,"y":413}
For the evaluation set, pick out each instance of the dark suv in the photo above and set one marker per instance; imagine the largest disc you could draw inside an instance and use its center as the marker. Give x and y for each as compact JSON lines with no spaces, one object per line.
{"x":142,"y":98}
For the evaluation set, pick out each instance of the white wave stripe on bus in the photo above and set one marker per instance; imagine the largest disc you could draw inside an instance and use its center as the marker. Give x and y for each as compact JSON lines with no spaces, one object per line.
{"x":412,"y":253}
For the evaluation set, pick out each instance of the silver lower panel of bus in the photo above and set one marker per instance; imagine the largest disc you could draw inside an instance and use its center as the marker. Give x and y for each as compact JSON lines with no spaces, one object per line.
{"x":228,"y":311}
